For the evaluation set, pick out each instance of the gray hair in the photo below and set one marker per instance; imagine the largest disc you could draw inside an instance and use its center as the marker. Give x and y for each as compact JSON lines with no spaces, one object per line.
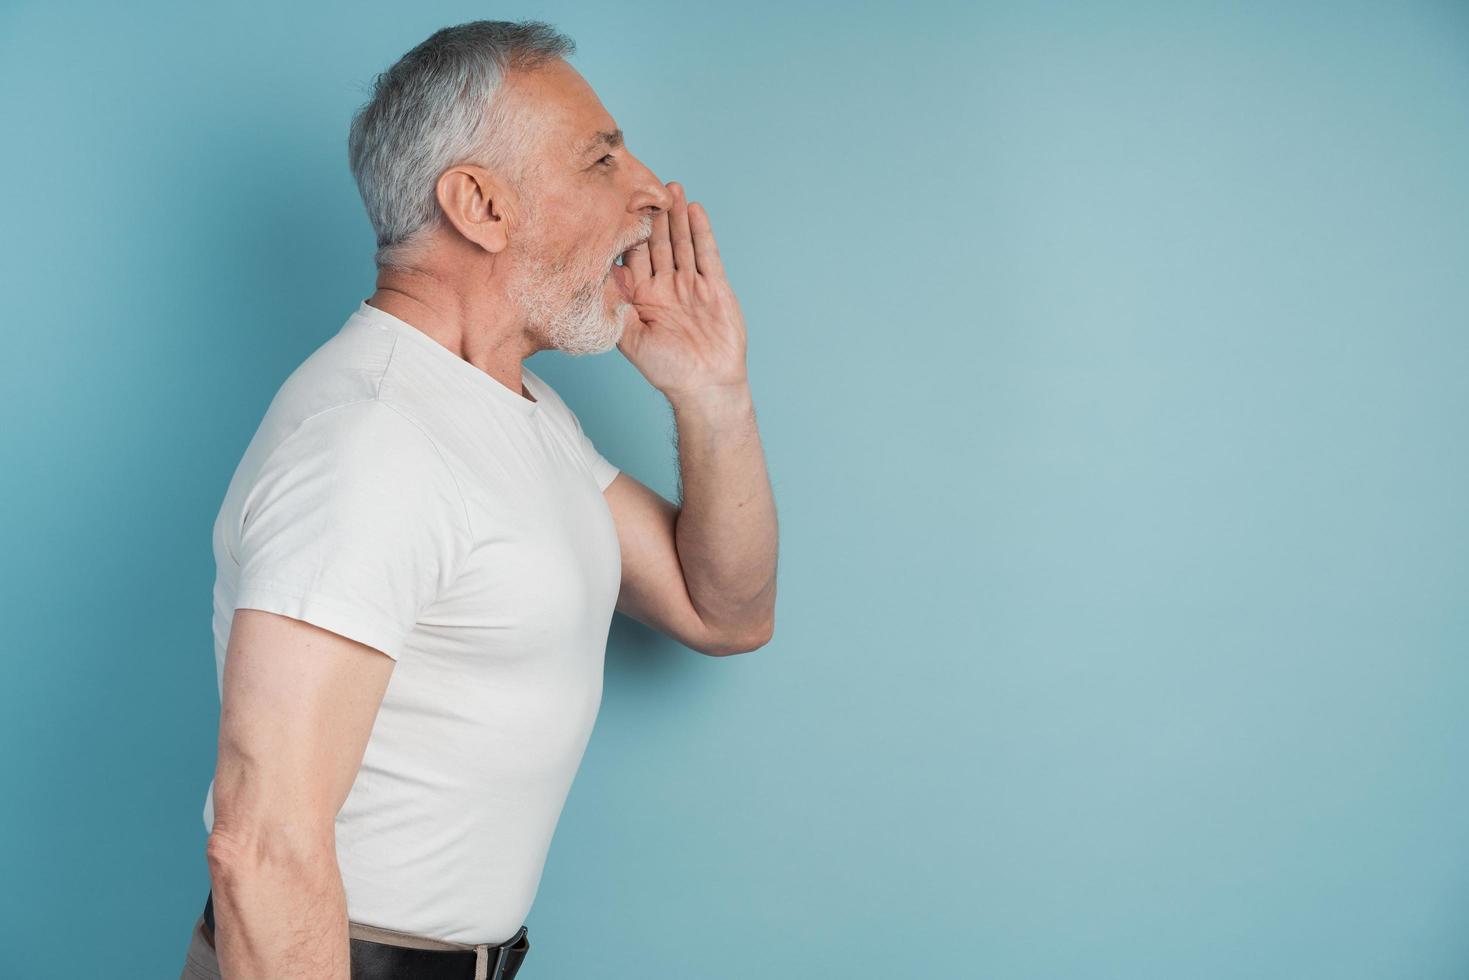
{"x":439,"y":105}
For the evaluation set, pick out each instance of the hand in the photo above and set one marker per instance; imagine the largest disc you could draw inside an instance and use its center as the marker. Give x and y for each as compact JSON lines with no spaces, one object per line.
{"x":690,"y":334}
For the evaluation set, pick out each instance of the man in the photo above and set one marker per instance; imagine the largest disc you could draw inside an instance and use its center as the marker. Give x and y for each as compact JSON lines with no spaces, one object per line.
{"x":420,"y":552}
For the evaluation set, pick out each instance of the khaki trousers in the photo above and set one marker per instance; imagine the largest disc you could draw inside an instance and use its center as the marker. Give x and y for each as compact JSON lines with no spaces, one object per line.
{"x":200,"y":963}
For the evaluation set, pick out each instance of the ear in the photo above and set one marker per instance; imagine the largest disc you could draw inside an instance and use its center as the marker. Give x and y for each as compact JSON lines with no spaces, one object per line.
{"x":476,"y":204}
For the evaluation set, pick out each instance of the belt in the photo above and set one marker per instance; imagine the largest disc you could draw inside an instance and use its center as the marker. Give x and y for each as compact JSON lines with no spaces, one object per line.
{"x":372,"y":960}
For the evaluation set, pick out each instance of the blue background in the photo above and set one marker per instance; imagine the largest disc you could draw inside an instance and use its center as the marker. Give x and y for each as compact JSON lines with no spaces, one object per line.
{"x":1111,"y":364}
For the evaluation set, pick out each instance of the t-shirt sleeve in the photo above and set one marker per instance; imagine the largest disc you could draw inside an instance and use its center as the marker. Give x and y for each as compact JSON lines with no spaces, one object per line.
{"x":602,"y":469}
{"x":354,"y":524}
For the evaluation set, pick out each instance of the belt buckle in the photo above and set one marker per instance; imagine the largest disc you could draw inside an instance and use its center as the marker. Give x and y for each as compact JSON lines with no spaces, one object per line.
{"x":503,"y":954}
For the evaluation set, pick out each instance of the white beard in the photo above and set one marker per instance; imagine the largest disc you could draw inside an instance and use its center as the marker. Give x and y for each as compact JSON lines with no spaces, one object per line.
{"x":570,"y":313}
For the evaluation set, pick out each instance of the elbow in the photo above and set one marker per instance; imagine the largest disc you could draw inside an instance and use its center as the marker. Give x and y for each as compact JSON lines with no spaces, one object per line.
{"x":746,"y":642}
{"x":237,"y":852}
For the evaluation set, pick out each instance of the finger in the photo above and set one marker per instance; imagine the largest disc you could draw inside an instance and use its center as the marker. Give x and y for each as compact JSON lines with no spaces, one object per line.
{"x":632,"y":333}
{"x":706,"y":253}
{"x":659,"y":247}
{"x":638,"y":263}
{"x":678,"y":230}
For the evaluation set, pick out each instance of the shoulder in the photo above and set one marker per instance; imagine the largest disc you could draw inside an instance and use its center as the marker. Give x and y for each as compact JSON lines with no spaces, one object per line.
{"x":368,"y":449}
{"x":369,"y":428}
{"x":360,"y":469}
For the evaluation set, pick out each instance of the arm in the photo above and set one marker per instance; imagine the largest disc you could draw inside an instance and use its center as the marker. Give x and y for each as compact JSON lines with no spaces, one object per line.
{"x":298,"y":705}
{"x":350,"y":527}
{"x":704,"y":571}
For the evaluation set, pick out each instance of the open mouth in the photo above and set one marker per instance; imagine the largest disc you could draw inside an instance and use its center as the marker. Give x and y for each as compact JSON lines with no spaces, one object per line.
{"x":625,"y":281}
{"x":618,"y":270}
{"x":623,"y":277}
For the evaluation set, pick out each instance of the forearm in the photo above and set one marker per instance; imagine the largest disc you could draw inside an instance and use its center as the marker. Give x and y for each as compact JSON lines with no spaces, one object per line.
{"x":278,"y":919}
{"x":726,"y":529}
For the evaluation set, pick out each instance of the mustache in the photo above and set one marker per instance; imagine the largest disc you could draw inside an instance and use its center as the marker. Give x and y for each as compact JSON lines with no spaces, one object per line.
{"x":643,"y":236}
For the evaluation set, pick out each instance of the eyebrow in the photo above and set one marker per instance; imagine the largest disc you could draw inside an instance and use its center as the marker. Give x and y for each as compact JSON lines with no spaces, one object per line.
{"x":612,"y":139}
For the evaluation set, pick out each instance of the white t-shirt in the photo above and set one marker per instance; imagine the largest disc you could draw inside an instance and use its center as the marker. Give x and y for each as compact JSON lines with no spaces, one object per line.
{"x":400,"y":496}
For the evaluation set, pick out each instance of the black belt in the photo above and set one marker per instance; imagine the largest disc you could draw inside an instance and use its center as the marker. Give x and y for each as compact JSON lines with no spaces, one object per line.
{"x":381,"y":961}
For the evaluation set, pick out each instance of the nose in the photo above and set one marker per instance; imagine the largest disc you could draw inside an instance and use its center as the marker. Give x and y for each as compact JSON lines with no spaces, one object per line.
{"x":650,"y":195}
{"x":665,"y":198}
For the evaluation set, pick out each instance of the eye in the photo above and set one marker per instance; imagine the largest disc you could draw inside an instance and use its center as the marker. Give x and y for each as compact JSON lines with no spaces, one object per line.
{"x":603,"y":162}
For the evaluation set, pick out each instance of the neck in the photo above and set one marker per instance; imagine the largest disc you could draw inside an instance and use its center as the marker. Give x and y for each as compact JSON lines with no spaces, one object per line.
{"x":477,"y":325}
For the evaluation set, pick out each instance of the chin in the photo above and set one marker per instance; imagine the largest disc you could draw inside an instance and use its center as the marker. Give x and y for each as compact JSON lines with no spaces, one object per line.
{"x":596,"y":336}
{"x":592,"y":323}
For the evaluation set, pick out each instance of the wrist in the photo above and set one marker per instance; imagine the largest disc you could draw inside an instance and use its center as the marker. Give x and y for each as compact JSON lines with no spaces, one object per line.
{"x":732,"y":395}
